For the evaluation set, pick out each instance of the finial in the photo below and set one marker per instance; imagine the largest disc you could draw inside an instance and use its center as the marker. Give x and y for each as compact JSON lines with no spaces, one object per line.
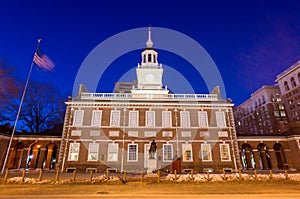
{"x":149,"y":43}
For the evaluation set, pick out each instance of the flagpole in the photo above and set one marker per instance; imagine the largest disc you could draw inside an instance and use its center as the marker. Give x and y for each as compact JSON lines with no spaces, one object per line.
{"x":20,"y":107}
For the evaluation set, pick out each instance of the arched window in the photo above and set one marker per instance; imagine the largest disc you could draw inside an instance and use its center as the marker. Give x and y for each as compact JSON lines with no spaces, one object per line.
{"x":154,"y":57}
{"x":144,"y":59}
{"x":255,"y":104}
{"x":293,"y":83}
{"x":247,"y":157}
{"x":149,"y":57}
{"x":263,"y":99}
{"x":280,"y":156}
{"x":259,"y":101}
{"x":286,"y":86}
{"x":264,"y":156}
{"x":272,"y":97}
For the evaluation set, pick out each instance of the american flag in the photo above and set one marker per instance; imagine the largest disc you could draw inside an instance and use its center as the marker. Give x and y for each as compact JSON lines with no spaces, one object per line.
{"x":43,"y":60}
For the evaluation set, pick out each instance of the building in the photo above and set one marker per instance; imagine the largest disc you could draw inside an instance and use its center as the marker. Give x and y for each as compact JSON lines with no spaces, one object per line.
{"x":148,"y":128}
{"x":289,"y":84}
{"x":124,"y":87}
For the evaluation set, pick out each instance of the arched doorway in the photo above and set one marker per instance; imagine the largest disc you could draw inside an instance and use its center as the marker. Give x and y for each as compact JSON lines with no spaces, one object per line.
{"x":16,"y":156}
{"x":280,"y":156}
{"x":33,"y":156}
{"x":264,"y":156}
{"x":51,"y":156}
{"x":247,"y":157}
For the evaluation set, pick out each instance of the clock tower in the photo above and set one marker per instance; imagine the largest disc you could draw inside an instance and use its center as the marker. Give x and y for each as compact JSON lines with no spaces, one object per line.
{"x":149,"y":73}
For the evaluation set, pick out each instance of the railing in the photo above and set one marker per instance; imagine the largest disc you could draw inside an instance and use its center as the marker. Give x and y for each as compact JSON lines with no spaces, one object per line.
{"x":117,"y":96}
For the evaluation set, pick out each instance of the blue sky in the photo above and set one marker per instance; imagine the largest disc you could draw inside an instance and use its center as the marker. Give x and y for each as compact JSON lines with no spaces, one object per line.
{"x":250,"y":41}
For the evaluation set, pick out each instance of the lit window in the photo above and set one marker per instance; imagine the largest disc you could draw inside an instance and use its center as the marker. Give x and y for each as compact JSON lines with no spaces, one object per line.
{"x":150,"y":118}
{"x":133,"y":118}
{"x":96,"y":118}
{"x":202,"y":119}
{"x":93,"y":152}
{"x":220,"y":116}
{"x":112,"y":155}
{"x":206,"y":152}
{"x":167,"y":152}
{"x":74,"y":151}
{"x":132,"y":152}
{"x":166,"y":119}
{"x":78,"y":118}
{"x":187,"y":152}
{"x":225,"y":153}
{"x":185,"y":119}
{"x":115,"y":118}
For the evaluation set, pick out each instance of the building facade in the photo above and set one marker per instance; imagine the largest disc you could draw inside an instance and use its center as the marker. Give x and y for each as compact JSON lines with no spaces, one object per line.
{"x":148,"y":128}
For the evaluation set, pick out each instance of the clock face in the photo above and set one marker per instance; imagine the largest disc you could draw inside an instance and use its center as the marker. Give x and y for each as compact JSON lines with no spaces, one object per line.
{"x":149,"y":78}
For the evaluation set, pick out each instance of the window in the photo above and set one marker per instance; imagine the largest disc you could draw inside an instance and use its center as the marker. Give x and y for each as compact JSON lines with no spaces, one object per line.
{"x":187,"y":152}
{"x":220,"y":116}
{"x":204,"y":133}
{"x":132,"y":152}
{"x":167,"y":134}
{"x":206,"y":152}
{"x":223,"y":134}
{"x":224,"y":151}
{"x":150,"y":134}
{"x":93,"y":152}
{"x":150,"y":118}
{"x":186,"y":134}
{"x":263,"y":99}
{"x":114,"y":133}
{"x":293,"y":83}
{"x":96,"y":118}
{"x":166,"y":119}
{"x":167,"y":152}
{"x":112,"y":155}
{"x":202,"y":118}
{"x":133,"y":133}
{"x":185,"y":119}
{"x":286,"y":86}
{"x":74,"y":151}
{"x":94,"y":133}
{"x":75,"y":133}
{"x":133,"y":118}
{"x":149,"y":57}
{"x":115,"y":118}
{"x":78,"y":118}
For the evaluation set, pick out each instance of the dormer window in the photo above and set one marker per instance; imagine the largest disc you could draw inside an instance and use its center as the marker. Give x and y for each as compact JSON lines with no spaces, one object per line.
{"x":149,"y":57}
{"x":144,"y":59}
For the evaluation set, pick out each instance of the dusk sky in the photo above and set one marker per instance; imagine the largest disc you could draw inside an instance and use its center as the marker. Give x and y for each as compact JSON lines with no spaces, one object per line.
{"x":250,"y":41}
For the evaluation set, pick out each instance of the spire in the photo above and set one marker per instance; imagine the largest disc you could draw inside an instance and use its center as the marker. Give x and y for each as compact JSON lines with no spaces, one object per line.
{"x":149,"y":43}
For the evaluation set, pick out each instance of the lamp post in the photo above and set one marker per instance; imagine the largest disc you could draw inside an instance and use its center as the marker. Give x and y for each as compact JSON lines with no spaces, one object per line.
{"x":176,"y":131}
{"x":123,"y":140}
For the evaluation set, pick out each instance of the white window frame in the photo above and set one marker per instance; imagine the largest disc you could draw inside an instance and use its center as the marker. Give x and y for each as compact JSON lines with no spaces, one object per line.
{"x":167,"y":133}
{"x":129,"y":152}
{"x":220,"y":119}
{"x":76,"y":133}
{"x":78,"y":118}
{"x":204,"y":134}
{"x":227,"y":152}
{"x":96,"y":118}
{"x":186,"y":134}
{"x":133,"y":119}
{"x":185,"y":148}
{"x":202,"y":119}
{"x":115,"y":118}
{"x":202,"y":152}
{"x":112,"y":152}
{"x":74,"y":149}
{"x":133,"y":133}
{"x":185,"y":119}
{"x":166,"y":118}
{"x":113,"y":133}
{"x":94,"y":133}
{"x":223,"y":133}
{"x":150,"y":133}
{"x":165,"y":158}
{"x":150,"y":118}
{"x":93,"y":155}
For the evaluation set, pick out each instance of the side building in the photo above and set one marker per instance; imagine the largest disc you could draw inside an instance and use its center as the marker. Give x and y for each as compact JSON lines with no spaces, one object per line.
{"x":149,"y":128}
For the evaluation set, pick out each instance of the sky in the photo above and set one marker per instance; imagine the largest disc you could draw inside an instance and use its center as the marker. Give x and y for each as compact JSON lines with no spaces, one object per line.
{"x":250,"y":42}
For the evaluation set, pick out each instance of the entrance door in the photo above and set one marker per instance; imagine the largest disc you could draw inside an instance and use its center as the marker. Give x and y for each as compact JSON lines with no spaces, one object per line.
{"x":149,"y":164}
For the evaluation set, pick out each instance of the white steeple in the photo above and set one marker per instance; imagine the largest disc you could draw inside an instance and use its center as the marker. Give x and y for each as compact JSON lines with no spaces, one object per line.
{"x":149,"y":43}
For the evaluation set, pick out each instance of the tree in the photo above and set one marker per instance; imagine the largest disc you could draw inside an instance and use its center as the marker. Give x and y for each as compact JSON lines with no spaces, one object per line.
{"x":42,"y":107}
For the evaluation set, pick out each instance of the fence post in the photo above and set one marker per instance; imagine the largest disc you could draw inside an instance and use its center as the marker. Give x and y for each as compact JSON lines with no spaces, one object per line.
{"x":91,"y":176}
{"x":57,"y":175}
{"x":40,"y":175}
{"x":255,"y":174}
{"x":107,"y":174}
{"x":158,"y":175}
{"x":74,"y":175}
{"x":23,"y":175}
{"x":125,"y":176}
{"x":240,"y":174}
{"x":192,"y":174}
{"x":224,"y":175}
{"x":286,"y":175}
{"x":142,"y":176}
{"x":175,"y":174}
{"x":208,"y":177}
{"x":6,"y":175}
{"x":271,"y":174}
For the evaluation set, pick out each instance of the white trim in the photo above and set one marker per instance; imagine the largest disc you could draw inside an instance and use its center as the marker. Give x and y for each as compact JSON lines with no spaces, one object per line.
{"x":220,"y":119}
{"x":150,"y":119}
{"x":228,"y":151}
{"x":166,"y":116}
{"x":187,"y":147}
{"x":78,"y":117}
{"x":93,"y":156}
{"x":95,"y":114}
{"x":75,"y":154}
{"x":164,"y":155}
{"x":132,"y":119}
{"x":136,"y":153}
{"x":112,"y":152}
{"x":210,"y":152}
{"x":202,"y":115}
{"x":185,"y":119}
{"x":114,"y":118}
